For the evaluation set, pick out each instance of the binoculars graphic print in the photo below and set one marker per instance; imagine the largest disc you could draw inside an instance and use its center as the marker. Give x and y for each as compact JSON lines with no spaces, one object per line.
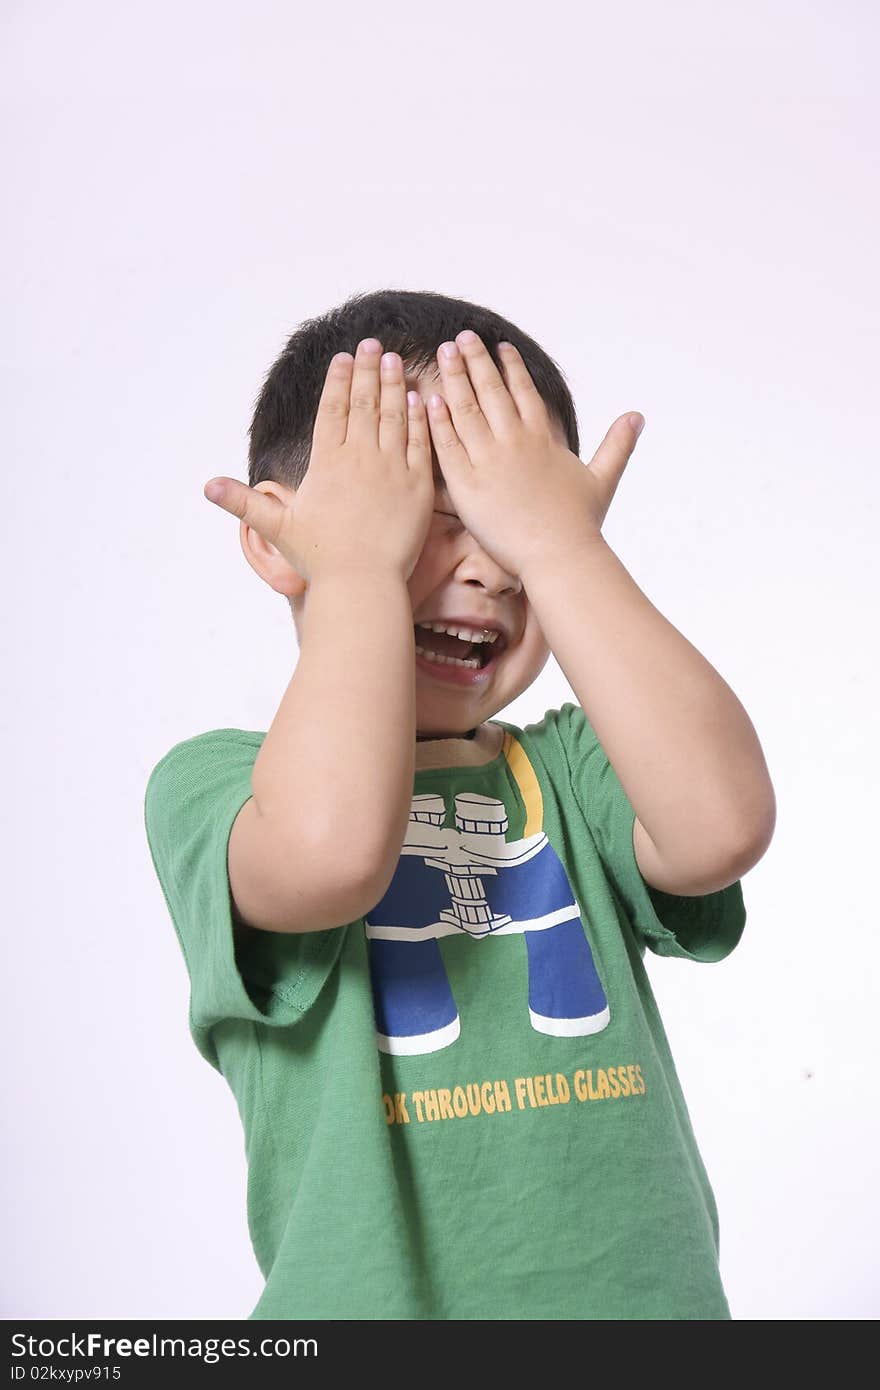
{"x":470,"y":880}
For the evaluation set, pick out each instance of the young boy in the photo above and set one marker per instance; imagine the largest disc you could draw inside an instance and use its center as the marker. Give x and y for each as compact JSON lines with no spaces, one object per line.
{"x":415,"y":932}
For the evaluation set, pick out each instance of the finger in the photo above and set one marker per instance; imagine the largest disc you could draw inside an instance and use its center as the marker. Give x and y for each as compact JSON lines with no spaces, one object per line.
{"x":489,"y":385}
{"x":331,"y":421}
{"x":418,"y":442}
{"x":471,"y":424}
{"x":262,"y":510}
{"x":451,"y":453}
{"x":363,"y":407}
{"x":392,"y":406}
{"x":522,"y":390}
{"x":614,"y":453}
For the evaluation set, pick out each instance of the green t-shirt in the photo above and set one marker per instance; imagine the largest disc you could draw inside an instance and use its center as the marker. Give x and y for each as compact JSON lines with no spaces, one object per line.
{"x":462,"y":1105}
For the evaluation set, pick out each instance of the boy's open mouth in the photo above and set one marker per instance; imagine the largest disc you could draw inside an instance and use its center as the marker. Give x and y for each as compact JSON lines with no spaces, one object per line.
{"x":447,"y":649}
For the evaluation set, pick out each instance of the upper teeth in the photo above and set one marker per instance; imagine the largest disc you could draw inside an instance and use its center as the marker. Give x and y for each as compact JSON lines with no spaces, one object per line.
{"x":467,"y":634}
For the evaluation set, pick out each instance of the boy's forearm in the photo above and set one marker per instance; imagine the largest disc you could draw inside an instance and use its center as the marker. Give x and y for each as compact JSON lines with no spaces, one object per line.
{"x":338,"y":761}
{"x":680,"y":742}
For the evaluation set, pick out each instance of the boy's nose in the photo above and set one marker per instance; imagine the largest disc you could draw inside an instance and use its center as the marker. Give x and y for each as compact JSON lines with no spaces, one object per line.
{"x":477,"y":566}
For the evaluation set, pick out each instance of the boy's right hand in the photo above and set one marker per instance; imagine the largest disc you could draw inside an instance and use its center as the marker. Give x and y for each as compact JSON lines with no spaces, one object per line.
{"x":368,"y":496}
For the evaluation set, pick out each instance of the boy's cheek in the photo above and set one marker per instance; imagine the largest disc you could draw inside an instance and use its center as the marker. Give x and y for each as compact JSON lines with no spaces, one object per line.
{"x":425,"y":575}
{"x":534,"y":640}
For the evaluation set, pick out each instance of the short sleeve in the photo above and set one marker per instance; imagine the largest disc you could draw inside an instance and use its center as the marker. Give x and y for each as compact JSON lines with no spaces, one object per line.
{"x":192,"y":798}
{"x":702,"y":928}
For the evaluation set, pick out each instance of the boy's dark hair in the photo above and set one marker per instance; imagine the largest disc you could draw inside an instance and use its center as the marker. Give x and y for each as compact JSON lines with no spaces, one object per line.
{"x":412,"y":323}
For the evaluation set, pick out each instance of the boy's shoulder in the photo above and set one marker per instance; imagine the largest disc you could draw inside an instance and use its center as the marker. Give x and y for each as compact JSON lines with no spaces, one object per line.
{"x":565,"y":730}
{"x":211,"y":741}
{"x":198,"y":772}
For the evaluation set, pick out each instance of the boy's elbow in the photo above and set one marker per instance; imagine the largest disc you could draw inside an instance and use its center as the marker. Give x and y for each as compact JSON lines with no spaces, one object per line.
{"x":748,"y":847}
{"x":761,"y":829}
{"x":710,"y":864}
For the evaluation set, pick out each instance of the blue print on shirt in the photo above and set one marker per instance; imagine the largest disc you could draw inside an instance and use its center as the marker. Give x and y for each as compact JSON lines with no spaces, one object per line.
{"x":471,"y":880}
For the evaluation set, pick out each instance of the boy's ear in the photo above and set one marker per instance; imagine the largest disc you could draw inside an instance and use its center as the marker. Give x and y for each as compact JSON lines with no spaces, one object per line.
{"x":265,"y":558}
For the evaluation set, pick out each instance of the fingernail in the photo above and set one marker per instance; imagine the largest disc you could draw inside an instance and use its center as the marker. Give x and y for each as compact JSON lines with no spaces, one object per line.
{"x":638,"y":423}
{"x":214,"y":492}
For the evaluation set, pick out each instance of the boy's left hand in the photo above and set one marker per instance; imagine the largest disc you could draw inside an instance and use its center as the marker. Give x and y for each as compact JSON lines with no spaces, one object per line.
{"x":523,"y":495}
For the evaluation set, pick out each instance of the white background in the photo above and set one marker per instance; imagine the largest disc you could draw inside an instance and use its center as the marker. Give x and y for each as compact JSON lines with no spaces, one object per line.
{"x":679,"y":203}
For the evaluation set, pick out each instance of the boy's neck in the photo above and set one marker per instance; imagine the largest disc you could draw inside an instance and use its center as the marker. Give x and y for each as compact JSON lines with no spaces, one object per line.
{"x":475,"y":748}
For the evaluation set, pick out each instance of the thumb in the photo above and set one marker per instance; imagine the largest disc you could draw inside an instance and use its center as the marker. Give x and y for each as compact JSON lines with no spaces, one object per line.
{"x":265,"y":512}
{"x":613,"y":454}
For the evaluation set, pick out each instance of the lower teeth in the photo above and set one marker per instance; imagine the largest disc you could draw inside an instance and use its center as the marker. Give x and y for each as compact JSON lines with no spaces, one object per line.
{"x":472,"y":662}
